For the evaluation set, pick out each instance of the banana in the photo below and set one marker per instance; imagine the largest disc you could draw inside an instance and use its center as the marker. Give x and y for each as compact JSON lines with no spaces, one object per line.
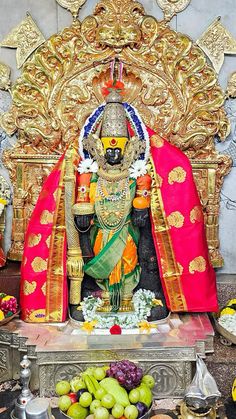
{"x":95,"y":382}
{"x":90,"y":386}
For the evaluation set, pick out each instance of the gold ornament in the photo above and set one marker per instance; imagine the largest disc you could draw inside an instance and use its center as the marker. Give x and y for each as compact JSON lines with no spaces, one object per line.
{"x":231,"y":86}
{"x":83,"y":208}
{"x":217,"y":41}
{"x":5,"y":73}
{"x":171,"y":7}
{"x":25,"y":37}
{"x":72,"y":5}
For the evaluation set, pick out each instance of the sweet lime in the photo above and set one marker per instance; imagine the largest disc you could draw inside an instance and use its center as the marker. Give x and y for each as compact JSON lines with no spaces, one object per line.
{"x":134,"y":396}
{"x":117,"y":411}
{"x":64,"y":403}
{"x":62,"y":388}
{"x":101,"y":413}
{"x":76,"y":411}
{"x":94,"y":405}
{"x":85,"y":399}
{"x":131,"y":412}
{"x":100,"y":393}
{"x":99,"y":373}
{"x":108,"y":401}
{"x":148,"y":380}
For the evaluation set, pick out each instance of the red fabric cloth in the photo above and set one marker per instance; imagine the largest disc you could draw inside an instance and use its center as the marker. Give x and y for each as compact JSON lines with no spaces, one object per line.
{"x":189,"y":241}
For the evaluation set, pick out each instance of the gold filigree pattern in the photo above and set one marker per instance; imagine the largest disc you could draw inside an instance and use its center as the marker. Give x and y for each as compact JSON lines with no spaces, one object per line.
{"x":156,"y":141}
{"x":180,"y":267}
{"x":217,"y":41}
{"x":5,"y":73}
{"x":46,"y":217}
{"x":44,"y":288}
{"x":196,"y":214}
{"x":29,"y":287}
{"x":19,"y":38}
{"x":39,"y":264}
{"x":178,"y":175}
{"x":48,"y":241}
{"x":176,"y":219}
{"x":172,"y":7}
{"x":197,"y":265}
{"x":34,"y":240}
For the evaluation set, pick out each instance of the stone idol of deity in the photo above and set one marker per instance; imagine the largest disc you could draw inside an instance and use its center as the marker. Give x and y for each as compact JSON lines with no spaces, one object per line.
{"x":137,"y":220}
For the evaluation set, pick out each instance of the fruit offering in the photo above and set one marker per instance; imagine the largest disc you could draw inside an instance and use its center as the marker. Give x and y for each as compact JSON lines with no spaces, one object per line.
{"x":8,"y":306}
{"x":118,"y":391}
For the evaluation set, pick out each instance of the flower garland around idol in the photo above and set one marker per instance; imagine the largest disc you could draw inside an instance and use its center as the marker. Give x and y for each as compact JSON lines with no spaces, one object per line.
{"x":138,"y":168}
{"x":142,"y":301}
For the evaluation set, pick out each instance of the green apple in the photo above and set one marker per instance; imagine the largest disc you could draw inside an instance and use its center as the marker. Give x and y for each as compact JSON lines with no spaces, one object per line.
{"x":108,"y":401}
{"x":134,"y":396}
{"x":99,"y":373}
{"x":117,"y":410}
{"x":131,"y":412}
{"x":94,"y":405}
{"x":64,"y":403}
{"x":148,"y":380}
{"x":85,"y":399}
{"x":101,"y":413}
{"x":62,"y":388}
{"x":100,"y":393}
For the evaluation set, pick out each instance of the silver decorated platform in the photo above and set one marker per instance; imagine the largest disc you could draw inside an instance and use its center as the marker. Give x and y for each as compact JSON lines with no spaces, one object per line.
{"x":62,"y":351}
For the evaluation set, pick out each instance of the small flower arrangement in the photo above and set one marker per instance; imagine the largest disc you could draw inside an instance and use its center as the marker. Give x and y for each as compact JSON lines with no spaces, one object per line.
{"x":143,"y":301}
{"x":8,"y":306}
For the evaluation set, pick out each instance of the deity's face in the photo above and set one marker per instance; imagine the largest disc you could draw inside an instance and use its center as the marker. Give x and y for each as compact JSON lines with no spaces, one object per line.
{"x":113,"y":156}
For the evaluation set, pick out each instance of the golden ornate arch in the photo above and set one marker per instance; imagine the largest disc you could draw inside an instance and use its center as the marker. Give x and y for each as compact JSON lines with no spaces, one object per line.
{"x":166,"y":76}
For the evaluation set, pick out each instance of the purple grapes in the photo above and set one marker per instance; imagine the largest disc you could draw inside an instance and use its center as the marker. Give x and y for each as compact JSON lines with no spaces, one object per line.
{"x":128,"y":374}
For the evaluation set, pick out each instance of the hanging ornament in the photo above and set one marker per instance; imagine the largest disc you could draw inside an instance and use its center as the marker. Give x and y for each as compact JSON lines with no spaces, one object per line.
{"x":72,"y":5}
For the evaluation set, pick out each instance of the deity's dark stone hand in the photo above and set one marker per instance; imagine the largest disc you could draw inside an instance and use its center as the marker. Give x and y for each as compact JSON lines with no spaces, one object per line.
{"x":140,"y":217}
{"x":82,"y":222}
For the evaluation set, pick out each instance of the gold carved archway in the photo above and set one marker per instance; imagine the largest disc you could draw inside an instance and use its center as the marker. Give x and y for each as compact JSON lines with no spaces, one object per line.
{"x":166,"y":76}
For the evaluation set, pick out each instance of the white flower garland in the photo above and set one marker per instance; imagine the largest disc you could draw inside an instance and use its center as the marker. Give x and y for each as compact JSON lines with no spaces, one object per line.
{"x":142,"y":301}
